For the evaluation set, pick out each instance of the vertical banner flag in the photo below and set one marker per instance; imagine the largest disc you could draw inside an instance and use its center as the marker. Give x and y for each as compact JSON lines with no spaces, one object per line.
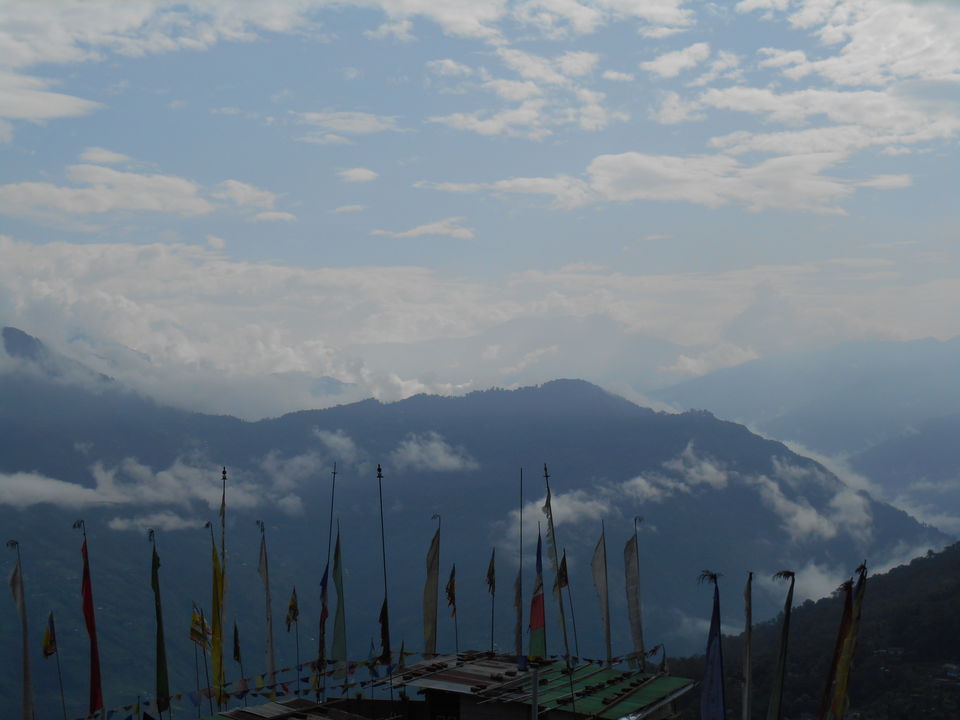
{"x":162,"y":682}
{"x":16,"y":587}
{"x":555,"y":563}
{"x":264,"y":569}
{"x":451,"y":591}
{"x":538,"y":624}
{"x":841,"y":699}
{"x":293,"y":610}
{"x":747,"y":700}
{"x":338,"y":651}
{"x":216,"y":621}
{"x":96,"y":690}
{"x":563,"y":579}
{"x":775,"y":708}
{"x":631,"y":566}
{"x":518,"y":609}
{"x":846,"y":619}
{"x":430,"y":590}
{"x":599,"y":567}
{"x":492,"y":573}
{"x":199,"y":629}
{"x":49,"y":637}
{"x":237,"y":657}
{"x":713,"y":705}
{"x":324,"y":614}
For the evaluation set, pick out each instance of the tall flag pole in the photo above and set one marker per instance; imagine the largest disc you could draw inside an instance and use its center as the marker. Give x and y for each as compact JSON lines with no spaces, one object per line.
{"x":338,"y":651}
{"x":96,"y":690}
{"x":599,"y":567}
{"x":564,"y":578}
{"x":538,"y":620}
{"x":430,"y":589}
{"x":50,"y":648}
{"x":846,"y":620}
{"x":385,"y":654}
{"x":324,"y":607}
{"x":713,"y":704}
{"x":492,"y":589}
{"x":293,"y":618}
{"x":16,"y":587}
{"x":221,"y":679}
{"x":264,"y":569}
{"x":631,"y":567}
{"x":555,"y":564}
{"x":216,"y":620}
{"x":747,"y":700}
{"x":162,"y":684}
{"x":451,"y":590}
{"x":841,"y":699}
{"x":518,"y":588}
{"x":775,"y":708}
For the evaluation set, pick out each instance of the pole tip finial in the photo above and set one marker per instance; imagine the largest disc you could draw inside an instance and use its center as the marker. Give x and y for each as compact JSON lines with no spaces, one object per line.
{"x":13,"y":543}
{"x":379,"y":472}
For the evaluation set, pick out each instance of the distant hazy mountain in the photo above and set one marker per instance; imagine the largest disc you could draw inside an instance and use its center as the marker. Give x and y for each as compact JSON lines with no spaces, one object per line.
{"x":841,"y":400}
{"x":921,"y":469}
{"x":712,"y":494}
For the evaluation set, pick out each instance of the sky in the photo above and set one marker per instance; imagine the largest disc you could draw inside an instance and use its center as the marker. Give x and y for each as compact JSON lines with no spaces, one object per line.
{"x":257,"y":207}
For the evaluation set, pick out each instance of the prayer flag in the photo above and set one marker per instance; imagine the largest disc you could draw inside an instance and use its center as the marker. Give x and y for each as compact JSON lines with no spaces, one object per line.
{"x":430,"y":590}
{"x":385,"y":655}
{"x":599,"y":567}
{"x":492,"y":573}
{"x":712,"y":701}
{"x":49,"y":637}
{"x":631,"y":566}
{"x":293,"y":611}
{"x":264,"y":569}
{"x":774,"y":709}
{"x":747,"y":700}
{"x":452,"y":591}
{"x":236,"y":644}
{"x":89,"y":618}
{"x":338,"y":651}
{"x":16,"y":587}
{"x":538,"y":629}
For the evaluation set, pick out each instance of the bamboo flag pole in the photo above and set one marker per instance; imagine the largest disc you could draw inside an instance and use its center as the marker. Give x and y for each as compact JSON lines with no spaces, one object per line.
{"x":206,"y":668}
{"x":385,"y":655}
{"x":322,"y":655}
{"x":518,"y":587}
{"x":747,"y":700}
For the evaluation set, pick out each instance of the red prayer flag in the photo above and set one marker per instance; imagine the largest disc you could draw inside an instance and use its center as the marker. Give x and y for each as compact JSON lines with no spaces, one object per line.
{"x":96,"y":691}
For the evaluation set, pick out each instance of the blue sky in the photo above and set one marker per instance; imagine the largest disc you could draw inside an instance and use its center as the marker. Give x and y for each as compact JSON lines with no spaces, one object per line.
{"x":218,"y":202}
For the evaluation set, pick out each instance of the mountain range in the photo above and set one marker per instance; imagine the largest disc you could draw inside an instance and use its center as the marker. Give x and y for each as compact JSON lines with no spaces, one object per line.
{"x":74,"y":443}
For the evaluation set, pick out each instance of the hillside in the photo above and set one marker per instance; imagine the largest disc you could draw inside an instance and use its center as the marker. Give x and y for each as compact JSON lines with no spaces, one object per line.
{"x":909,"y":647}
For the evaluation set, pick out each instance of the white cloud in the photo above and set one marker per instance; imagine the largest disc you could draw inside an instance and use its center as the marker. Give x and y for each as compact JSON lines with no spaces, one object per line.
{"x":673,"y":109}
{"x":22,"y":490}
{"x":24,"y":97}
{"x":514,"y":90}
{"x":719,"y":356}
{"x":244,"y":195}
{"x":399,"y":30}
{"x":528,"y":120}
{"x":671,"y":64}
{"x":696,"y":470}
{"x":215,"y":242}
{"x":164,"y":520}
{"x":431,"y":452}
{"x":349,"y":209}
{"x":358,"y":175}
{"x":449,"y":68}
{"x":887,"y":182}
{"x":340,"y":445}
{"x":726,"y":67}
{"x":325,"y":139}
{"x":577,"y":63}
{"x":347,"y":122}
{"x":103,"y":190}
{"x":617,"y":76}
{"x":273,"y":216}
{"x":102,"y":156}
{"x":448,"y":227}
